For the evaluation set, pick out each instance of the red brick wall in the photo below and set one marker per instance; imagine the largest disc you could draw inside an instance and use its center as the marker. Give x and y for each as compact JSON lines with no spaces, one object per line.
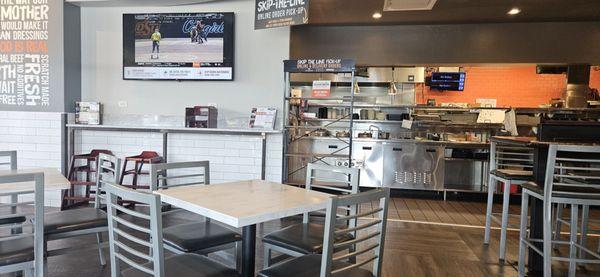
{"x":516,"y":86}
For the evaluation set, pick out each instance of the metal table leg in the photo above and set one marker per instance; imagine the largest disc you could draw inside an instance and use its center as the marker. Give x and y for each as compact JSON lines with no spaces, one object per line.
{"x":248,"y":250}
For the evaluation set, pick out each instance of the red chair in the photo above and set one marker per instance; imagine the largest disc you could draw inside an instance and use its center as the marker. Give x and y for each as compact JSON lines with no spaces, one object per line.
{"x":146,"y":157}
{"x":88,"y":169}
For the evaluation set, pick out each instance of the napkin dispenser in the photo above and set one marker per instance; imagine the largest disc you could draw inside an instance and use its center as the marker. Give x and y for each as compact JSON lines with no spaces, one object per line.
{"x":201,"y":117}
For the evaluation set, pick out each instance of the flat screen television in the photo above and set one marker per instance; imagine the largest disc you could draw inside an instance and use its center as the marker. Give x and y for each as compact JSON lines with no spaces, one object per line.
{"x":178,"y":46}
{"x":448,"y":81}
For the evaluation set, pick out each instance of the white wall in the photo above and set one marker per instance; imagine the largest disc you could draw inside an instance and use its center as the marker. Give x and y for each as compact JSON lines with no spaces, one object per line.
{"x":258,"y":65}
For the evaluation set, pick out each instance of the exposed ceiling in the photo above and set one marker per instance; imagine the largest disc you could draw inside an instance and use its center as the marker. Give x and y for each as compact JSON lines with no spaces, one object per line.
{"x":359,"y":12}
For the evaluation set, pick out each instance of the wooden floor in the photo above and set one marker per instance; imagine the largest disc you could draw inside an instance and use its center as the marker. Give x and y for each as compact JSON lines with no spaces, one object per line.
{"x":455,"y":212}
{"x":424,"y":238}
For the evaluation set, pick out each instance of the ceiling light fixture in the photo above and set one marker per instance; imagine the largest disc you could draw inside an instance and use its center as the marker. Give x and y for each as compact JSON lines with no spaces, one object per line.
{"x":514,"y":11}
{"x":377,"y":15}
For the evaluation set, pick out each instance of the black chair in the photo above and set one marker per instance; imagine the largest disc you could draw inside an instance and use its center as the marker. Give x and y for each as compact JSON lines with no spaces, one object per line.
{"x":131,"y":240}
{"x":202,"y":237}
{"x":371,"y":237}
{"x":84,"y":221}
{"x":22,"y":249}
{"x":307,"y":237}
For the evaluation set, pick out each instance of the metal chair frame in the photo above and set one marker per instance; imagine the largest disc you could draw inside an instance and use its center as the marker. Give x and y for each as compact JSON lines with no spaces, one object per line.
{"x":350,"y":180}
{"x":12,"y":156}
{"x":119,"y":251}
{"x":554,"y":183}
{"x":35,"y":267}
{"x":502,"y":157}
{"x":113,"y":167}
{"x":378,"y":223}
{"x":161,"y":179}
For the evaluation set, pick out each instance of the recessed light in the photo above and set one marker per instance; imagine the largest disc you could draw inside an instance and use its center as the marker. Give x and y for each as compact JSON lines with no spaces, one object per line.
{"x":514,"y":11}
{"x":377,"y":15}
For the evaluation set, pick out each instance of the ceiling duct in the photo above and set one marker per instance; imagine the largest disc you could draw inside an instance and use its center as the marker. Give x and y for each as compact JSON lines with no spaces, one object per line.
{"x":408,"y":5}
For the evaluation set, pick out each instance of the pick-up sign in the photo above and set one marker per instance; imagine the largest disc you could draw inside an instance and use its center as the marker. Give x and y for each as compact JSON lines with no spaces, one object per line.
{"x":279,"y":13}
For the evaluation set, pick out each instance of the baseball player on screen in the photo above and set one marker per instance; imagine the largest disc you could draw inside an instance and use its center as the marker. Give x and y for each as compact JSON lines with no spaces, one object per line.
{"x":156,"y":37}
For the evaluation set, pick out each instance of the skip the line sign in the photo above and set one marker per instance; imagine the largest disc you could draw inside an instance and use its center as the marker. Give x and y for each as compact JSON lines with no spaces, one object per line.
{"x":319,"y":65}
{"x":279,"y":13}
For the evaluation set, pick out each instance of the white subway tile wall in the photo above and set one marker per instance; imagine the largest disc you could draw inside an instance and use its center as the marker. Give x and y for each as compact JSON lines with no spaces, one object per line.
{"x":37,"y":138}
{"x":232,"y":157}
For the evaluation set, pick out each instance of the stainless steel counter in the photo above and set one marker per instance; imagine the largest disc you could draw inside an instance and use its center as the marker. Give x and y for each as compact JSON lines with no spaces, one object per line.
{"x":398,"y":163}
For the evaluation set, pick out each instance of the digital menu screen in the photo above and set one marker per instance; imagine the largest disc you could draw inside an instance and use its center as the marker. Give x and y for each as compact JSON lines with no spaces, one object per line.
{"x":448,"y":81}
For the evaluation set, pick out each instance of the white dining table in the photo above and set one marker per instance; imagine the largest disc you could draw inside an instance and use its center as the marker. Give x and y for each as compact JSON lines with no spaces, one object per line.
{"x":244,"y":204}
{"x":53,"y":180}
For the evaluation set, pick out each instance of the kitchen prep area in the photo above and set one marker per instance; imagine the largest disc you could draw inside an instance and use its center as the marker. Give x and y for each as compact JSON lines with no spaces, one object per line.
{"x":283,"y":138}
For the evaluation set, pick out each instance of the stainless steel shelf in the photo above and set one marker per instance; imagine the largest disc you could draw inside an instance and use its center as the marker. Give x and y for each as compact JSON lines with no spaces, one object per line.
{"x":309,"y":155}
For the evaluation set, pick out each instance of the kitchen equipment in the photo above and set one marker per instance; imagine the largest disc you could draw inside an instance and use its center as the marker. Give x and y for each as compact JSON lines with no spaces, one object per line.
{"x":355,"y":116}
{"x":380,"y":116}
{"x":371,"y":114}
{"x":364,"y":114}
{"x":398,"y":117}
{"x":201,"y":117}
{"x":384,"y":135}
{"x":320,"y":133}
{"x":333,"y":113}
{"x":342,"y":134}
{"x":365,"y":135}
{"x":322,"y":113}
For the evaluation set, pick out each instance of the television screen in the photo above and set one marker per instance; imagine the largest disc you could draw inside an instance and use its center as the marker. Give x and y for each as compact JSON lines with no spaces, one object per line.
{"x":178,"y":46}
{"x":447,"y":81}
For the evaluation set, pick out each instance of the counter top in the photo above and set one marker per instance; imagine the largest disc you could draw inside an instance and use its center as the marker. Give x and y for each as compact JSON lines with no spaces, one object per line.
{"x":171,"y":129}
{"x":450,"y":144}
{"x":526,"y":141}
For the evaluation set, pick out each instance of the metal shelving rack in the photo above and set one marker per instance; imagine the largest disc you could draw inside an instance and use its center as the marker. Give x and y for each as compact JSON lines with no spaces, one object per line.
{"x":290,"y":137}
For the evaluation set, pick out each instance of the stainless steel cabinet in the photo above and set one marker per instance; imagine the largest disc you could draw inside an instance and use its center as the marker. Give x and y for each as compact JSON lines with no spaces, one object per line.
{"x":368,"y":156}
{"x":413,"y":166}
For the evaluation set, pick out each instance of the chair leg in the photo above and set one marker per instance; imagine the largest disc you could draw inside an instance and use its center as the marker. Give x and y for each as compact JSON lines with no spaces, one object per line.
{"x":267,"y":257}
{"x":100,"y":251}
{"x":559,"y":214}
{"x":585,"y":214}
{"x":547,"y":238}
{"x":573,"y":240}
{"x":488,"y":213}
{"x":523,"y":233}
{"x":123,"y":172}
{"x":504,"y":225}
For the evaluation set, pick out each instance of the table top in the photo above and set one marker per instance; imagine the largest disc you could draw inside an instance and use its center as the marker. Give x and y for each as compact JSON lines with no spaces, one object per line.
{"x":53,"y":180}
{"x":244,"y":203}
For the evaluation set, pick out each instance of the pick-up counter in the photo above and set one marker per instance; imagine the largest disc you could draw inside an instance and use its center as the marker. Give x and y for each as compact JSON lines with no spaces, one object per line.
{"x":409,"y":164}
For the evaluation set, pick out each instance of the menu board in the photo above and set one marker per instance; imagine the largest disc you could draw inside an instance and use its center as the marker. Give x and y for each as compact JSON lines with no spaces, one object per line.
{"x":24,"y":57}
{"x":448,"y":81}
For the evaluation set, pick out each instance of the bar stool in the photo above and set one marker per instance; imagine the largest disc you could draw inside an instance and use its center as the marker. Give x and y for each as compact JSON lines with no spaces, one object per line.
{"x":88,"y":168}
{"x":511,"y":165}
{"x":572,"y":178}
{"x":146,"y":157}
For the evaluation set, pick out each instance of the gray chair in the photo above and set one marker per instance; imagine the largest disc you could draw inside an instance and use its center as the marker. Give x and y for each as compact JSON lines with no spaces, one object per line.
{"x":368,"y":245}
{"x":307,"y":237}
{"x":581,"y":166}
{"x":200,"y":237}
{"x":8,"y":161}
{"x":23,"y":250}
{"x":511,"y":165}
{"x":133,"y":234}
{"x":12,"y":159}
{"x":84,"y":221}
